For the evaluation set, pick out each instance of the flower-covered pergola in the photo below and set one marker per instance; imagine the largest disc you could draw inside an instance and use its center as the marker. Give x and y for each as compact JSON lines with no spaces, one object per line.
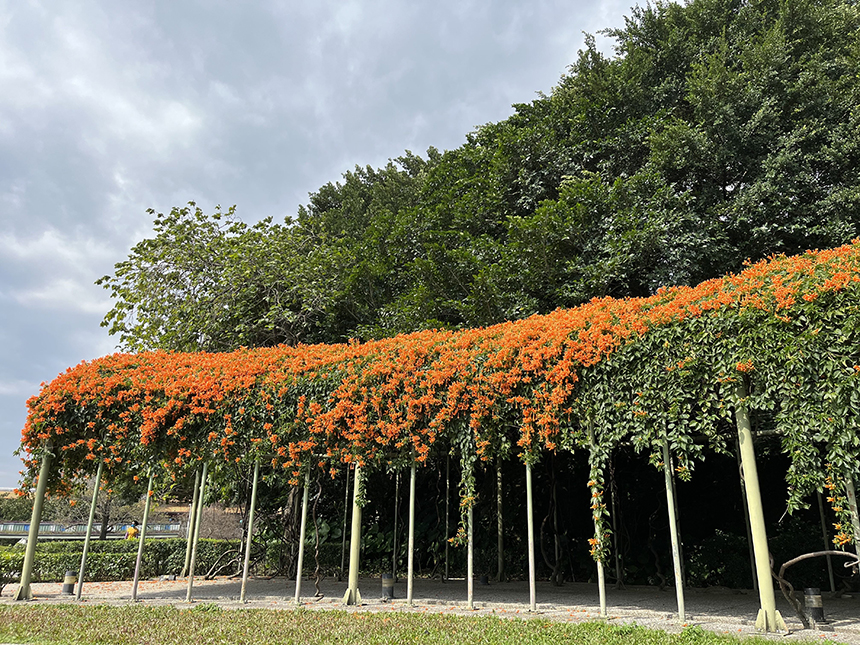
{"x":661,"y":372}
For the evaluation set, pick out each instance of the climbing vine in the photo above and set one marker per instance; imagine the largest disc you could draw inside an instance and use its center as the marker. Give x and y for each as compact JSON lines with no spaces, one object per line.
{"x":643,"y":370}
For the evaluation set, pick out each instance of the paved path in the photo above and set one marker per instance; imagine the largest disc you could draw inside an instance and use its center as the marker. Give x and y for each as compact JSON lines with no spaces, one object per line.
{"x":717,"y":609}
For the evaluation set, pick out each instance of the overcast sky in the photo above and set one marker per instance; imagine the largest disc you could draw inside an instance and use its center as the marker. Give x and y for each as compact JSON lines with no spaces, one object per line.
{"x":110,"y":108}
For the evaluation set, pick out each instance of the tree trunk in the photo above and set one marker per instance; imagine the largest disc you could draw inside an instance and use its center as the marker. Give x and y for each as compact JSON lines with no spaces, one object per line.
{"x":105,"y":525}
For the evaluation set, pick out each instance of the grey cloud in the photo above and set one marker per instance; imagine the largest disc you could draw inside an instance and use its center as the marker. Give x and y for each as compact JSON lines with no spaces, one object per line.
{"x":107,"y":109}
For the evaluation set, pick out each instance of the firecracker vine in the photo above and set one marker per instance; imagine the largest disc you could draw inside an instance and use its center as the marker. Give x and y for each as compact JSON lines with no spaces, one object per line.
{"x":642,"y":370}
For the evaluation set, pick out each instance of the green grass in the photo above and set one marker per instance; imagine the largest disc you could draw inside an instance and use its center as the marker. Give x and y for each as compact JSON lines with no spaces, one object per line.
{"x":206,"y":623}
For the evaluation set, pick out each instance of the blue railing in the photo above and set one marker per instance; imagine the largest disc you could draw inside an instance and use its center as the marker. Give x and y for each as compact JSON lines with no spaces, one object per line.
{"x":61,"y":531}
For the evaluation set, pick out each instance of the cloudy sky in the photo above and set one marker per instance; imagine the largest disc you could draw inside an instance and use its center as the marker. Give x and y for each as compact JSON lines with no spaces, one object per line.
{"x":107,"y":109}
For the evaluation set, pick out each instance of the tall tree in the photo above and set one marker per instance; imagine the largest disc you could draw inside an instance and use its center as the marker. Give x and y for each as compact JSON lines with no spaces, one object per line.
{"x":721,"y":130}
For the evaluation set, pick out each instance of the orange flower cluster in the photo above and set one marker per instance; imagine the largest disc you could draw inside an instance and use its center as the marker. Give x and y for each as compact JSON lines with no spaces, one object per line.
{"x":510,"y":384}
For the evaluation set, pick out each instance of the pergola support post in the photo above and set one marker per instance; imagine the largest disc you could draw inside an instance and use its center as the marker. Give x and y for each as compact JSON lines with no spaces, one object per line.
{"x":470,"y":559}
{"x":447,"y":508}
{"x":137,"y":562}
{"x":601,"y":577}
{"x":852,"y":506}
{"x":768,"y":619}
{"x":673,"y":530}
{"x":250,"y":532}
{"x":345,"y":518}
{"x":353,"y":595}
{"x":396,"y":524}
{"x":410,"y":566}
{"x":192,"y":521}
{"x":24,"y":592}
{"x":745,"y":506}
{"x":827,"y":544}
{"x":302,"y":528}
{"x":531,"y":538}
{"x":196,"y":536}
{"x":601,"y":588}
{"x":500,"y":533}
{"x":93,"y":503}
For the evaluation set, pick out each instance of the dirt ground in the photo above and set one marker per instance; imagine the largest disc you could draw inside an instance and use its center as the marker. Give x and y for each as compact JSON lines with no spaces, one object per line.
{"x":717,"y":609}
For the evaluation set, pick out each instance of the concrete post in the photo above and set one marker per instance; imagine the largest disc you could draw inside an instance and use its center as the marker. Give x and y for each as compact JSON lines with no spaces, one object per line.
{"x":24,"y":592}
{"x":196,"y":537}
{"x":746,"y":514}
{"x":396,"y":525}
{"x":500,"y":525}
{"x":601,"y":577}
{"x":769,"y":619}
{"x":137,"y":562}
{"x":827,"y":544}
{"x":352,"y":595}
{"x":410,"y":566}
{"x":447,"y":508}
{"x":250,"y":532}
{"x":192,"y":520}
{"x":89,"y":530}
{"x":345,"y":517}
{"x":302,"y":527}
{"x":601,"y":588}
{"x":673,"y":530}
{"x":470,"y":560}
{"x":852,"y":506}
{"x":531,"y":538}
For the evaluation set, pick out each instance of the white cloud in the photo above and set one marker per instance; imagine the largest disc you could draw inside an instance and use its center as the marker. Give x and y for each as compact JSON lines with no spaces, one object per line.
{"x":56,"y":271}
{"x":54,"y":247}
{"x":109,"y":108}
{"x":18,"y":388}
{"x":63,"y":294}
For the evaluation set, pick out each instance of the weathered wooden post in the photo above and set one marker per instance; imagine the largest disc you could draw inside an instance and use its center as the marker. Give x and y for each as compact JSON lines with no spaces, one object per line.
{"x":250,"y":531}
{"x":24,"y":592}
{"x":95,"y":500}
{"x":196,"y":537}
{"x":673,"y":530}
{"x":300,"y":563}
{"x":137,"y":562}
{"x":353,"y":595}
{"x":768,"y":619}
{"x":531,"y":537}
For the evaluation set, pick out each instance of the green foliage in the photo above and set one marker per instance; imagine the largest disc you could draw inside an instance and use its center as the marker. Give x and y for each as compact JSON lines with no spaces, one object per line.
{"x":16,"y":509}
{"x":11,"y":561}
{"x":721,"y":560}
{"x":720,"y":131}
{"x":115,"y":559}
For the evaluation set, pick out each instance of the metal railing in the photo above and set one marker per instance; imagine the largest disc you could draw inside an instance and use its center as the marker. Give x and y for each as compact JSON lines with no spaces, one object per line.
{"x":50,"y":530}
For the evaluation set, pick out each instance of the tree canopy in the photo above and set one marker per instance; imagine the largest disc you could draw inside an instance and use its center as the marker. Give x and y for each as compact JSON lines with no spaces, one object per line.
{"x":720,"y":130}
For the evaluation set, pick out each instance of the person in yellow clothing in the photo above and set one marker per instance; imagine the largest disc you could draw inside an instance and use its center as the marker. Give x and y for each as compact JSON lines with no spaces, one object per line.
{"x":132,"y":532}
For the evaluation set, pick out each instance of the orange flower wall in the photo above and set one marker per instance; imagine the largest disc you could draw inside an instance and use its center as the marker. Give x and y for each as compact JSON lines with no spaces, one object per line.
{"x":523,"y":386}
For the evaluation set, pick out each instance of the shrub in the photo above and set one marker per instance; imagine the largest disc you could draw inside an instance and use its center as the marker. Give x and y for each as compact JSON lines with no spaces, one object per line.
{"x":111,"y":559}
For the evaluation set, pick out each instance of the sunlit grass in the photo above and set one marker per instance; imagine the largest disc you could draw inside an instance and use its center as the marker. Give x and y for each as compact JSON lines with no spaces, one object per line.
{"x":206,"y":623}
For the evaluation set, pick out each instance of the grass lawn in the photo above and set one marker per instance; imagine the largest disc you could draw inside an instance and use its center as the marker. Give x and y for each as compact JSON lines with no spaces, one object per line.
{"x":206,"y":623}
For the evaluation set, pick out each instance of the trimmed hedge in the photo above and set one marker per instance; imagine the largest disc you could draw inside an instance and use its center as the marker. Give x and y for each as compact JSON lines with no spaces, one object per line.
{"x":115,"y":559}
